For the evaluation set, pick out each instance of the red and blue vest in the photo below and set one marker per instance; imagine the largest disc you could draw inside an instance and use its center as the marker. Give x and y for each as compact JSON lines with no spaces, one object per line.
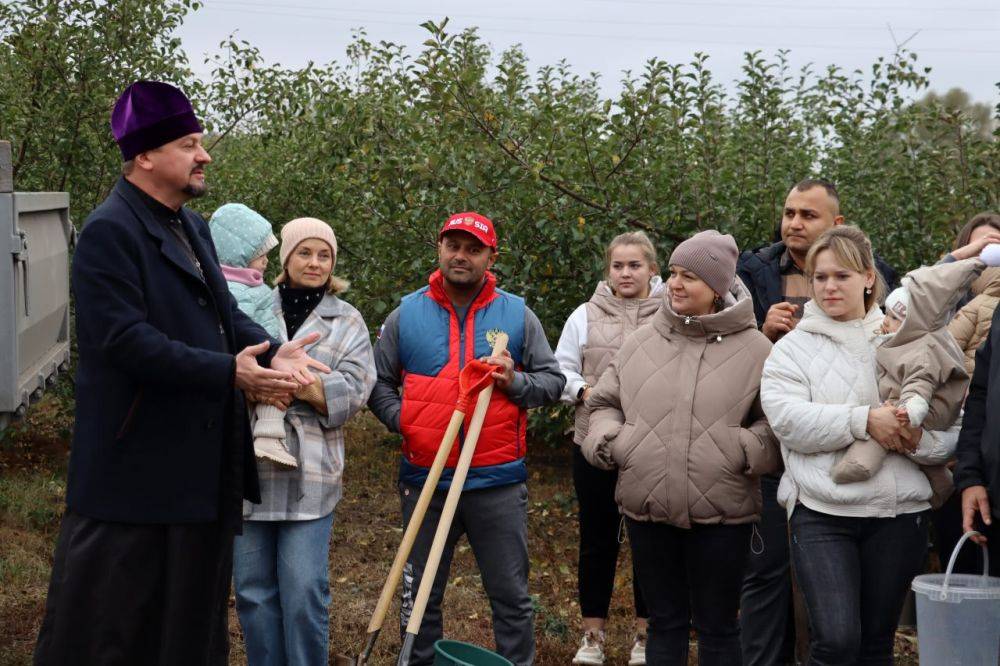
{"x":434,"y":346}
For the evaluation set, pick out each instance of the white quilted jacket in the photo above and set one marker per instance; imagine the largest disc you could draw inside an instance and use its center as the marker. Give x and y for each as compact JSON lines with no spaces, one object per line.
{"x":818,"y":385}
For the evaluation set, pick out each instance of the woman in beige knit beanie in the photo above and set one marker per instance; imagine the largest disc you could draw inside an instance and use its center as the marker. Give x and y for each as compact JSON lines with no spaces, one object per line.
{"x":281,"y":562}
{"x":676,"y":412}
{"x":299,"y":231}
{"x":702,"y":271}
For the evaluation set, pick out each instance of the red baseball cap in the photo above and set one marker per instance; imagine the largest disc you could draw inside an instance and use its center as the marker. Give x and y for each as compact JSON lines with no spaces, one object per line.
{"x":471,"y":223}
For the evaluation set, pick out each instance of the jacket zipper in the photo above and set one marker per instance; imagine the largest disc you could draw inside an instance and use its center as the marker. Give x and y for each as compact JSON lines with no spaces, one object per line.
{"x":689,"y":318}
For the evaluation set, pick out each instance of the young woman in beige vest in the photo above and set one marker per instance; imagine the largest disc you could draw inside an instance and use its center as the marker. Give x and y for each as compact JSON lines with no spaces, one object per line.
{"x":626,"y":298}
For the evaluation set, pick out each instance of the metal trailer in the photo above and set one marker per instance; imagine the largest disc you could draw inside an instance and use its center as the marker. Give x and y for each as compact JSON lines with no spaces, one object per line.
{"x":35,"y":238}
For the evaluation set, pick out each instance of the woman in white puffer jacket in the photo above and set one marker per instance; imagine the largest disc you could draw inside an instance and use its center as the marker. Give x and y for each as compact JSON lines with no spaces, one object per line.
{"x":856,"y":546}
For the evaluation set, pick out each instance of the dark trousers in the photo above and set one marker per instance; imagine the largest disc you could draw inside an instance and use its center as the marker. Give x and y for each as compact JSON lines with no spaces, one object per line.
{"x":600,"y":524}
{"x":766,"y":607}
{"x":495,"y":521}
{"x":691,"y":577}
{"x":137,"y":594}
{"x":948,"y":530}
{"x":854,"y":574}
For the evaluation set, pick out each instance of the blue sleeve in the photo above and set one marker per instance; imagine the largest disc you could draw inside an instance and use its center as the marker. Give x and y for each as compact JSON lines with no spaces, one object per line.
{"x":246,"y":331}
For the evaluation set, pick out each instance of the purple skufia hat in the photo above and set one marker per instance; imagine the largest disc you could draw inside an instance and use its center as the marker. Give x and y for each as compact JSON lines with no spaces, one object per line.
{"x":150,"y":114}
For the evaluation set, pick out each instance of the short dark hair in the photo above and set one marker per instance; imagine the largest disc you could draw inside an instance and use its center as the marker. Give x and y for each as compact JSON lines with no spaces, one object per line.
{"x":809,"y":183}
{"x":978,"y":220}
{"x":127,"y":167}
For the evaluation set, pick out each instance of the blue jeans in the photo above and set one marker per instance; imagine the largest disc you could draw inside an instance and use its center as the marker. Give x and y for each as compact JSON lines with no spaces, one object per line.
{"x":854,"y":574}
{"x":281,"y":574}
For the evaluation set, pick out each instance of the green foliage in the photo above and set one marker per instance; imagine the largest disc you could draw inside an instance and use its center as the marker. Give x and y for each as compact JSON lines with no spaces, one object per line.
{"x":62,"y":65}
{"x":385,"y":144}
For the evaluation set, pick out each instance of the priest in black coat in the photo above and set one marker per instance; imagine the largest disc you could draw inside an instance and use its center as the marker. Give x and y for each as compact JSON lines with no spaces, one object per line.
{"x":162,"y":456}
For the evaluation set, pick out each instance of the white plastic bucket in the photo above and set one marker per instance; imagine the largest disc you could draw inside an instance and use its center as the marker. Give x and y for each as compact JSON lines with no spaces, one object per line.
{"x":958,"y":615}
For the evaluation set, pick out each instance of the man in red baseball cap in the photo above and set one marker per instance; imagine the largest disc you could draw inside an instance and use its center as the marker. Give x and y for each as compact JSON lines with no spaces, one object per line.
{"x":472,"y":223}
{"x":467,"y":249}
{"x":423,"y":345}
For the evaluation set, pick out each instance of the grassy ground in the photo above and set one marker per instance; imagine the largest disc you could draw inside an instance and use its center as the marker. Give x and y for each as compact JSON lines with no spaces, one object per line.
{"x":367,"y":530}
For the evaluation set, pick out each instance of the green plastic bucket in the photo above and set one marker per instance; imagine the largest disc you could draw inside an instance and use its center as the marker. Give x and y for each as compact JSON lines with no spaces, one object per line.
{"x":457,"y":653}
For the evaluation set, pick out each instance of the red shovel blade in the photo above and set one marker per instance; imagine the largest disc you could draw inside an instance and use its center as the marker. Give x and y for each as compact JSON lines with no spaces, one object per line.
{"x":475,"y":376}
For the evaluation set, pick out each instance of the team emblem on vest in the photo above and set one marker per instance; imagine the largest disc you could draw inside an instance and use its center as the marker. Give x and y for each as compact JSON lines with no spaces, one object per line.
{"x":491,"y":336}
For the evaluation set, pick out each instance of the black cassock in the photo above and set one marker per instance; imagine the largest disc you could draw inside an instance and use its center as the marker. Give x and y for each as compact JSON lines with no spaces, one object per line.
{"x":162,"y":457}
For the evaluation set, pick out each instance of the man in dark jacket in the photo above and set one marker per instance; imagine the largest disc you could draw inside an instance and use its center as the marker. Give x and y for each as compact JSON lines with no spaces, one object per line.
{"x":977,"y":472}
{"x":774,"y":273}
{"x":161,"y":457}
{"x":775,"y":276}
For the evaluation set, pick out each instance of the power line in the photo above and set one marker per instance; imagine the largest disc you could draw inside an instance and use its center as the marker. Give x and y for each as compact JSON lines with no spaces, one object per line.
{"x":617,"y":37}
{"x":825,"y":7}
{"x":562,"y":20}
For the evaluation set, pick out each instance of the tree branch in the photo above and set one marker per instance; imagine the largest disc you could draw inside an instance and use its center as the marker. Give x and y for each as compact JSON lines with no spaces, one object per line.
{"x":554,"y":182}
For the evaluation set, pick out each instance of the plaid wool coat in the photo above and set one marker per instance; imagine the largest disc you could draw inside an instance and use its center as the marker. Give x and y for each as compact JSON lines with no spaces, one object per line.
{"x":317,"y":441}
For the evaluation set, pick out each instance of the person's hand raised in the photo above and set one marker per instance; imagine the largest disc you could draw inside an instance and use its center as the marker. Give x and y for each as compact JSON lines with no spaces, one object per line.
{"x":292,"y":359}
{"x":974,"y":248}
{"x":252,"y":378}
{"x":780,"y":319}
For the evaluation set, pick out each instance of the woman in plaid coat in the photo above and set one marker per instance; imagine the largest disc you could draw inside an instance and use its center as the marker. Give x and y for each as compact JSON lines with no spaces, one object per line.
{"x":281,"y":561}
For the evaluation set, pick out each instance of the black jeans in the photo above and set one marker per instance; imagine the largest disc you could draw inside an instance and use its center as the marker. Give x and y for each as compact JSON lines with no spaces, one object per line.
{"x":691,"y":577}
{"x":854,"y":574}
{"x":766,"y":610}
{"x":599,"y":526}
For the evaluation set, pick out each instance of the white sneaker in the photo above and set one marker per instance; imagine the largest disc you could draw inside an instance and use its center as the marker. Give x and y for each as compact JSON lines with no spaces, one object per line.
{"x":591,"y":649}
{"x":275,"y":451}
{"x":638,"y":655}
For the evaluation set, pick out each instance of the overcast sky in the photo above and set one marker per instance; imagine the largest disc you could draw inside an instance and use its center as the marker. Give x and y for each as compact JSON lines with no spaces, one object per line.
{"x":959,"y":39}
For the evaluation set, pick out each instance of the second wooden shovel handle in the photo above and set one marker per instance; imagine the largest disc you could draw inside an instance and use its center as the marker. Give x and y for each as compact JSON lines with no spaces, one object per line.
{"x":426,"y":494}
{"x":413,"y":527}
{"x":451,"y":501}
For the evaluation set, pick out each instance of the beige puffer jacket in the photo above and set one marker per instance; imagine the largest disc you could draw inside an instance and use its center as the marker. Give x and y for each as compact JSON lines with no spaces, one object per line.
{"x":921,"y":366}
{"x":972,"y":323}
{"x":609,"y":320}
{"x":678,"y":413}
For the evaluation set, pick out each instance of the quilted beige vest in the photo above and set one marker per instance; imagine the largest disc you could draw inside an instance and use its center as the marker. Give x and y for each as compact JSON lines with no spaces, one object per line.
{"x":609,"y":320}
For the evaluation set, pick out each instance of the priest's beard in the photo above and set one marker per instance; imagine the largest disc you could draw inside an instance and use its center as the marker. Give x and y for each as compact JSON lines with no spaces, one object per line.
{"x":195,"y":191}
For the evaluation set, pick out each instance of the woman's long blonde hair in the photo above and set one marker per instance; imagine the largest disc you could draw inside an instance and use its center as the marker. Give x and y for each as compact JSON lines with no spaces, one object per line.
{"x":853,"y":250}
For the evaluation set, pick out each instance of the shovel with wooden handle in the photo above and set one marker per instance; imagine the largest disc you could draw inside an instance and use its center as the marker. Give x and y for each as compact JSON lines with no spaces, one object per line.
{"x":448,"y":514}
{"x":476,"y":378}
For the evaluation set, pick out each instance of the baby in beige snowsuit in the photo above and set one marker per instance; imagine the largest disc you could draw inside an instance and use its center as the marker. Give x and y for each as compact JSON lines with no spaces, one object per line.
{"x":919,"y":366}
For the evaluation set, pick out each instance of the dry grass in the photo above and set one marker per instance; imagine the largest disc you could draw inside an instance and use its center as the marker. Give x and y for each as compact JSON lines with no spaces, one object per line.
{"x":368,"y":528}
{"x":366,"y":533}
